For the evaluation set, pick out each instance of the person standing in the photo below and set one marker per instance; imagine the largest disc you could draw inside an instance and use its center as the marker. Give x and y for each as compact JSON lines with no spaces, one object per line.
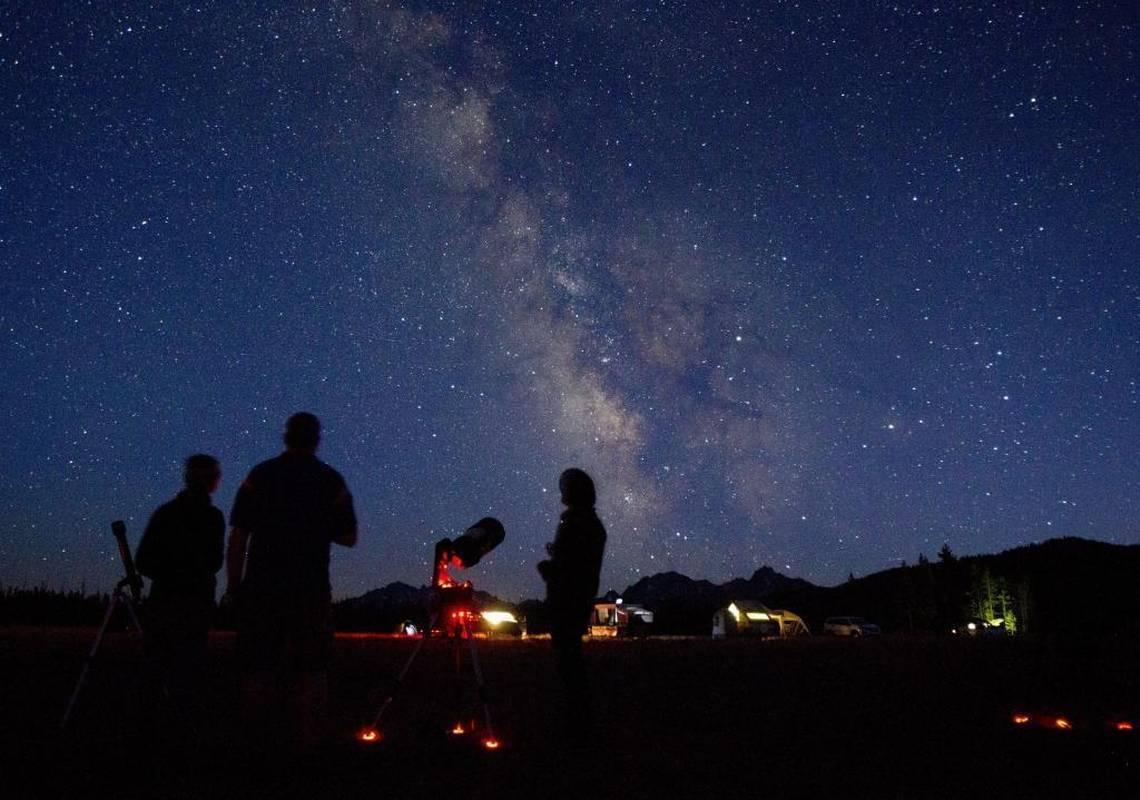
{"x":571,"y":576}
{"x":181,"y":550}
{"x":286,"y":515}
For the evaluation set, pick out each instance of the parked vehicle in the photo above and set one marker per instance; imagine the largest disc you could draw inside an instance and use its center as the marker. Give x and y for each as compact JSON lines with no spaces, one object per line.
{"x":979,"y":627}
{"x":499,"y":624}
{"x":850,"y":626}
{"x":615,"y":618}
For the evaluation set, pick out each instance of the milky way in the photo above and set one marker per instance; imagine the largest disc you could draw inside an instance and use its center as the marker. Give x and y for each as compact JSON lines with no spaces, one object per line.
{"x":819,"y":286}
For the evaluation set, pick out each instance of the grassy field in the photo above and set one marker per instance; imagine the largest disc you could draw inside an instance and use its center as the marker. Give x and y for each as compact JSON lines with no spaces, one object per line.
{"x":889,"y":718}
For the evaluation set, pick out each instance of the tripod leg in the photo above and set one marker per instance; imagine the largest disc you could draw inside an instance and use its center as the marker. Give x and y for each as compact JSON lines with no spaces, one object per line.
{"x":490,"y":740}
{"x":134,"y":614}
{"x":114,"y":601}
{"x":400,"y":678}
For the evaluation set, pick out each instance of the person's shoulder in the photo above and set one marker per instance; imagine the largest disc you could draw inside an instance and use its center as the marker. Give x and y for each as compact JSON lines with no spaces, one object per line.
{"x":276,"y":462}
{"x":580,"y":514}
{"x":593,"y":522}
{"x":330,"y":473}
{"x":165,"y":512}
{"x":164,"y":509}
{"x":269,"y":466}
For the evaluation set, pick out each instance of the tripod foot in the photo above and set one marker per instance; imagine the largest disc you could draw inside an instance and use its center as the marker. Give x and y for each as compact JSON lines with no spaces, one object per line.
{"x":369,"y":736}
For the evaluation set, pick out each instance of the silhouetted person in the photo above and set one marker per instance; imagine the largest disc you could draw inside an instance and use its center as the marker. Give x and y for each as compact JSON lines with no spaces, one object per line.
{"x":571,"y":575}
{"x":180,"y":551}
{"x":287,"y":513}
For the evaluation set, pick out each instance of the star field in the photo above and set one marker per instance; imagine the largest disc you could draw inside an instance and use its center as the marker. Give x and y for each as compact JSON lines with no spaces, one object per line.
{"x":814,"y":285}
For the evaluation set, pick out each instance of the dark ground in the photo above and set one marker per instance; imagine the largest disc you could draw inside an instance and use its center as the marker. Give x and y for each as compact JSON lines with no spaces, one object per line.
{"x":889,"y":718}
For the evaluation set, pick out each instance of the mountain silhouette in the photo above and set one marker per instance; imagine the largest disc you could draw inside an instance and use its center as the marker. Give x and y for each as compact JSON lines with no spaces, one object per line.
{"x":1069,"y":587}
{"x":1065,"y":586}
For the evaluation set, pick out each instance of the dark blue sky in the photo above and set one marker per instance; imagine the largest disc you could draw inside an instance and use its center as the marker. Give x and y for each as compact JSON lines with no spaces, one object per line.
{"x":820,"y":286}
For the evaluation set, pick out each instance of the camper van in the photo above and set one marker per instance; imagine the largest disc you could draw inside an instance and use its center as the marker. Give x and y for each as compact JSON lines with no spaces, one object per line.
{"x":612,"y":619}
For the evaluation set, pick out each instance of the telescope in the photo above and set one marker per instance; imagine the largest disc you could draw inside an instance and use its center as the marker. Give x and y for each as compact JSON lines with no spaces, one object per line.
{"x":131,"y":580}
{"x":454,"y":611}
{"x":466,"y":550}
{"x":452,"y":616}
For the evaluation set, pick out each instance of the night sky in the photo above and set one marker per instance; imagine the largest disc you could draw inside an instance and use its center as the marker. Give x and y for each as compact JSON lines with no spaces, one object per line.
{"x":818,"y":286}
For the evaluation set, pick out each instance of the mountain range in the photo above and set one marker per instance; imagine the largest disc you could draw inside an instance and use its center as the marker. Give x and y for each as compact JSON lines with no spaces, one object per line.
{"x":1058,"y":586}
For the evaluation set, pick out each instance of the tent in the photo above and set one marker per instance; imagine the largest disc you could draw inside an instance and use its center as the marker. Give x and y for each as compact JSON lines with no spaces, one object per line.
{"x":750,"y":618}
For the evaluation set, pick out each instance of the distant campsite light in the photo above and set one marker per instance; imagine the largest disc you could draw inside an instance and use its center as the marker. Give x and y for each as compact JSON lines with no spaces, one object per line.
{"x":1063,"y":724}
{"x":458,"y":729}
{"x":1020,"y":719}
{"x":491,"y":744}
{"x":495,"y":618}
{"x":1123,"y":725}
{"x":369,"y":735}
{"x":972,"y":626}
{"x":735,"y":611}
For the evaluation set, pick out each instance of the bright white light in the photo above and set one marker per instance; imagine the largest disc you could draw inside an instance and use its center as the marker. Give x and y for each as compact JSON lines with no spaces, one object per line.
{"x":499,"y":617}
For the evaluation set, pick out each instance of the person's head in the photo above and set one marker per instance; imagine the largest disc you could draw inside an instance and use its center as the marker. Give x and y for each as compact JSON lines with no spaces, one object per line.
{"x":577,"y":489}
{"x":202,"y":473}
{"x":302,"y":432}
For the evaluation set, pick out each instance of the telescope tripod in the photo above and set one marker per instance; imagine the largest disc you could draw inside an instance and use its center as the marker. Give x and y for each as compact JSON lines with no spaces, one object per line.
{"x":121,"y":595}
{"x":458,"y":629}
{"x":453,"y":608}
{"x":132,"y":582}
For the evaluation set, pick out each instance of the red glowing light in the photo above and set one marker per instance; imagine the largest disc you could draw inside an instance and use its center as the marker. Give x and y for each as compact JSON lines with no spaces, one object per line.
{"x":1063,"y":724}
{"x":491,"y":744}
{"x":1123,"y":726}
{"x":369,"y":735}
{"x":443,"y":579}
{"x":458,"y":729}
{"x":1020,"y":719}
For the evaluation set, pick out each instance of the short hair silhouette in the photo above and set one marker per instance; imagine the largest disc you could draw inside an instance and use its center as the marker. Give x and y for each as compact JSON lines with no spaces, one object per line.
{"x":577,"y":489}
{"x":302,"y":431}
{"x":200,"y":471}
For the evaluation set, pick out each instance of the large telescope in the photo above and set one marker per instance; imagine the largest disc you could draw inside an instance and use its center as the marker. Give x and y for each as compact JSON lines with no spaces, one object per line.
{"x":477,"y":541}
{"x":454,"y":599}
{"x":452,"y":616}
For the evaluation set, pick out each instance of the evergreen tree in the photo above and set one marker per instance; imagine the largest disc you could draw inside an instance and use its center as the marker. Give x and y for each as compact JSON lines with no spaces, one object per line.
{"x":990,"y":598}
